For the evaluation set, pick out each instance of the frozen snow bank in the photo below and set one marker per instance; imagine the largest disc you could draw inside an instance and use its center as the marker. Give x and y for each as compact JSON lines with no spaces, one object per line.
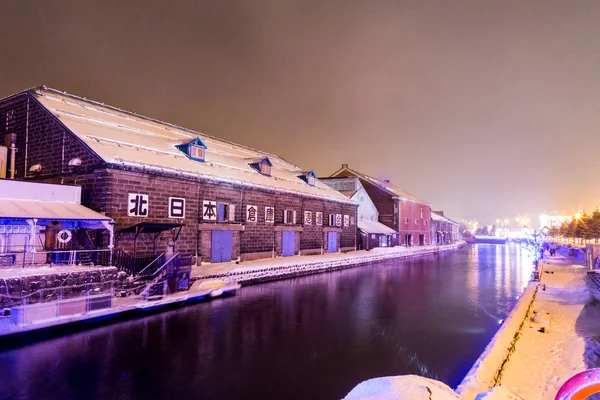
{"x":485,"y":373}
{"x":404,"y":387}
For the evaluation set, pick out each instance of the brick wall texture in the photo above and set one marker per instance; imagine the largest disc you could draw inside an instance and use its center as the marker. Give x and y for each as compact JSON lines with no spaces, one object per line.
{"x":42,"y":139}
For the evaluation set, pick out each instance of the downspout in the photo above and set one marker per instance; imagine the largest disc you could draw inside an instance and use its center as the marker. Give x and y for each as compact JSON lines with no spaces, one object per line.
{"x":62,"y":165}
{"x":198,"y":212}
{"x":26,"y":137}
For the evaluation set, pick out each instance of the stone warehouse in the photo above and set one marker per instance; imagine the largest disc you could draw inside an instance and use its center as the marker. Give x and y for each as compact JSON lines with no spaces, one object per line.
{"x":170,"y":188}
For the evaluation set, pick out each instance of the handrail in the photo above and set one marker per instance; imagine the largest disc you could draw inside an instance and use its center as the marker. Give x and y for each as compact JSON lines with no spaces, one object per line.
{"x":148,"y":266}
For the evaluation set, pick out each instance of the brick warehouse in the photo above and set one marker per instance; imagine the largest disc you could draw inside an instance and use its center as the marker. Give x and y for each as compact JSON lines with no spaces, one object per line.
{"x":217,"y":200}
{"x":398,"y":209}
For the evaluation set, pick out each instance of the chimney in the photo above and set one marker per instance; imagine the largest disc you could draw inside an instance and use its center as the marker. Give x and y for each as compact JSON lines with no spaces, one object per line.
{"x":10,"y":139}
{"x":344,"y":166}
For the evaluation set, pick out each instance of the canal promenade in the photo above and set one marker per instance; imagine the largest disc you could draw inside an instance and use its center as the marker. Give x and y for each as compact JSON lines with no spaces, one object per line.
{"x":265,"y":270}
{"x":561,"y":336}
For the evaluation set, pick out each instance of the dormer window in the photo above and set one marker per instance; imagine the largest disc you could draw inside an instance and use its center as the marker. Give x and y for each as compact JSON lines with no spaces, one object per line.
{"x":262,"y":165}
{"x":265,"y":169}
{"x":195,"y":150}
{"x":309,"y":177}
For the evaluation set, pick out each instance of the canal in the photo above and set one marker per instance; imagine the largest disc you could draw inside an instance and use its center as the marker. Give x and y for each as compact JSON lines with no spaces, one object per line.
{"x":313,"y":337}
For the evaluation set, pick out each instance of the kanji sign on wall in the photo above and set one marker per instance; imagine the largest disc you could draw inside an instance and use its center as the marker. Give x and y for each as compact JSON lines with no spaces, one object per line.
{"x":251,"y":213}
{"x":269,"y":215}
{"x":209,"y":210}
{"x":346,"y":221}
{"x":137,"y":205}
{"x":351,"y":221}
{"x":338,"y":219}
{"x":307,"y":217}
{"x":318,"y":218}
{"x":176,"y":207}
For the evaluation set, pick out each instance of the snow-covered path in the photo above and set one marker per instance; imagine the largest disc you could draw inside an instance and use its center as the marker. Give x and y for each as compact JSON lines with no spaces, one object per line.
{"x":542,"y":362}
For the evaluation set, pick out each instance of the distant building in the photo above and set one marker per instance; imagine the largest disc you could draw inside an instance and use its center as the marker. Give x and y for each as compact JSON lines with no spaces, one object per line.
{"x":443,"y":229}
{"x":371,"y":232}
{"x":167,"y":186}
{"x":399,"y":210}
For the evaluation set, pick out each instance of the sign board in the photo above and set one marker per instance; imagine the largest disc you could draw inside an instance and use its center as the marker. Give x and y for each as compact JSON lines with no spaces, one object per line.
{"x":318,"y":218}
{"x":307,"y":217}
{"x":176,"y":207}
{"x":137,"y":205}
{"x":346,"y":221}
{"x":251,"y":213}
{"x":269,"y":215}
{"x":209,"y":210}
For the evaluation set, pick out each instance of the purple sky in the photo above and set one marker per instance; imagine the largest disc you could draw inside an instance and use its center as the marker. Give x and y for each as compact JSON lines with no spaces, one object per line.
{"x":483,"y":108}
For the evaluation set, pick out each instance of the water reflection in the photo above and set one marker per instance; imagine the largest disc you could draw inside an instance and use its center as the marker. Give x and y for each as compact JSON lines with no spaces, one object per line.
{"x":312,"y":337}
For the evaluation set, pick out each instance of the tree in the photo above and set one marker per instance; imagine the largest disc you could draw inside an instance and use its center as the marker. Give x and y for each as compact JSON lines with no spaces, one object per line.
{"x":594,"y":225}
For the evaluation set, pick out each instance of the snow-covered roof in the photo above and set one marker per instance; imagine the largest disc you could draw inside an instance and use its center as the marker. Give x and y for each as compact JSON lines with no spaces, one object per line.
{"x":368,"y":226}
{"x":123,"y":138}
{"x":437,"y":217}
{"x":387,"y":186}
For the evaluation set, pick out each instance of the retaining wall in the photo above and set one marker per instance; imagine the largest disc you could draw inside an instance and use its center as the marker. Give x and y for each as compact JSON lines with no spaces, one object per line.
{"x":307,"y":267}
{"x":487,"y":370}
{"x":37,"y":288}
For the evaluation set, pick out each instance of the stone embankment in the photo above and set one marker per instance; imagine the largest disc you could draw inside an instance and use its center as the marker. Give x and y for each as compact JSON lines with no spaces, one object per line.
{"x":32,"y":285}
{"x":282,"y":268}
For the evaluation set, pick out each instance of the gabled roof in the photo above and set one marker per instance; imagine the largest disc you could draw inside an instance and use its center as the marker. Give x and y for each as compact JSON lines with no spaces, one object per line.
{"x":437,"y":217}
{"x":123,"y":138}
{"x":386,"y":186}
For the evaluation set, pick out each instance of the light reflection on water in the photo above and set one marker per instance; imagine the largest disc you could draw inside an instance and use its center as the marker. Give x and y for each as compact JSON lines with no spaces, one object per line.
{"x":311,"y":337}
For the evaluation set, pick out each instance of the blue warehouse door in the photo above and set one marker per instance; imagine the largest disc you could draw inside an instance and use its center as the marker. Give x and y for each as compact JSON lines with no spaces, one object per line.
{"x":331,"y":242}
{"x":221,"y":246}
{"x":288,"y":243}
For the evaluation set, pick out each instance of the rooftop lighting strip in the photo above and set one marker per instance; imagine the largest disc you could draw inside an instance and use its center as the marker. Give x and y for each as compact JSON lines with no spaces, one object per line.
{"x":178,"y":154}
{"x":119,"y":116}
{"x":220,"y":179}
{"x":103,"y":122}
{"x":157,"y":124}
{"x":119,"y":143}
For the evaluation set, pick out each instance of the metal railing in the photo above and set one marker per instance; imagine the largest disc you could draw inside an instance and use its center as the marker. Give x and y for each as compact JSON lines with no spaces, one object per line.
{"x":56,"y":257}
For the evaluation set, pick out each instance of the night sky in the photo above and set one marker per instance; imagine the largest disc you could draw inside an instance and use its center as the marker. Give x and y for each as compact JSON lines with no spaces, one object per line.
{"x":487,"y":109}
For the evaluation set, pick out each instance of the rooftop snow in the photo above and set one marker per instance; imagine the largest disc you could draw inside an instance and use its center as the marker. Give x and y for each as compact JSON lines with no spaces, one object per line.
{"x":388,"y":187}
{"x":123,"y":138}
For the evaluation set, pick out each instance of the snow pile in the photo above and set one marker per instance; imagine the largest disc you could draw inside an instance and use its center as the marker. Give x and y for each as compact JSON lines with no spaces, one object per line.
{"x":405,"y":387}
{"x":485,"y":373}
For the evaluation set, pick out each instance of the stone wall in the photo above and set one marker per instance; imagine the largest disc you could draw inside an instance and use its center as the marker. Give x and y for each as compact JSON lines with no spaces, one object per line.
{"x":42,"y":287}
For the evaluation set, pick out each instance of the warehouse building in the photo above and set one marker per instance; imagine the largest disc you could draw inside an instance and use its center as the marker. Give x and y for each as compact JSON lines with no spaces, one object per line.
{"x":170,"y":188}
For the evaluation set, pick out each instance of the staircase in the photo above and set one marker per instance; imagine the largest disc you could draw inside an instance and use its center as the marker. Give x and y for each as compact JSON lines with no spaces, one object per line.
{"x":158,"y":286}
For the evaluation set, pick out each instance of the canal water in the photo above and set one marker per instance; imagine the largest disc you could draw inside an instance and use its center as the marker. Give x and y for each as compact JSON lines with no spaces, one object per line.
{"x":313,"y":337}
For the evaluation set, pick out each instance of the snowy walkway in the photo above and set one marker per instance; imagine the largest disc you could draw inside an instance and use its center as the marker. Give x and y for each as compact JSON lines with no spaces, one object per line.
{"x":542,"y":362}
{"x":276,"y":266}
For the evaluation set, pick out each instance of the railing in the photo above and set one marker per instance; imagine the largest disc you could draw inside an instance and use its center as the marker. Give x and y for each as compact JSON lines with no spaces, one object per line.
{"x":55,"y":257}
{"x":134,"y":265}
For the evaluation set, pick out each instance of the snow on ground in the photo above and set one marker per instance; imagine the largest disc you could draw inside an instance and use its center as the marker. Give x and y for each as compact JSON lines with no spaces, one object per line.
{"x":542,"y":362}
{"x":275,"y":266}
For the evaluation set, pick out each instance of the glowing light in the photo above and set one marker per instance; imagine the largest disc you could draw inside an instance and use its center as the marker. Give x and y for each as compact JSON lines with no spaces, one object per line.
{"x":500,"y":321}
{"x":578,"y":216}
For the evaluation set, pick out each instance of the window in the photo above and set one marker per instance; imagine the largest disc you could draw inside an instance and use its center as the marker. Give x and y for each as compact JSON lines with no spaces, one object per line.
{"x":416,"y":221}
{"x":265,"y":169}
{"x":406,"y":220}
{"x":225,"y":212}
{"x":311,"y":180}
{"x":421,"y":212}
{"x":425,"y":222}
{"x":289,"y":217}
{"x":196,"y":152}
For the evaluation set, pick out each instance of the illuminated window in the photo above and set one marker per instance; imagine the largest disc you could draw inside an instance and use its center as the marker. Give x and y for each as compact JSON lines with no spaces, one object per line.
{"x":265,"y":169}
{"x":196,"y":152}
{"x":416,"y":221}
